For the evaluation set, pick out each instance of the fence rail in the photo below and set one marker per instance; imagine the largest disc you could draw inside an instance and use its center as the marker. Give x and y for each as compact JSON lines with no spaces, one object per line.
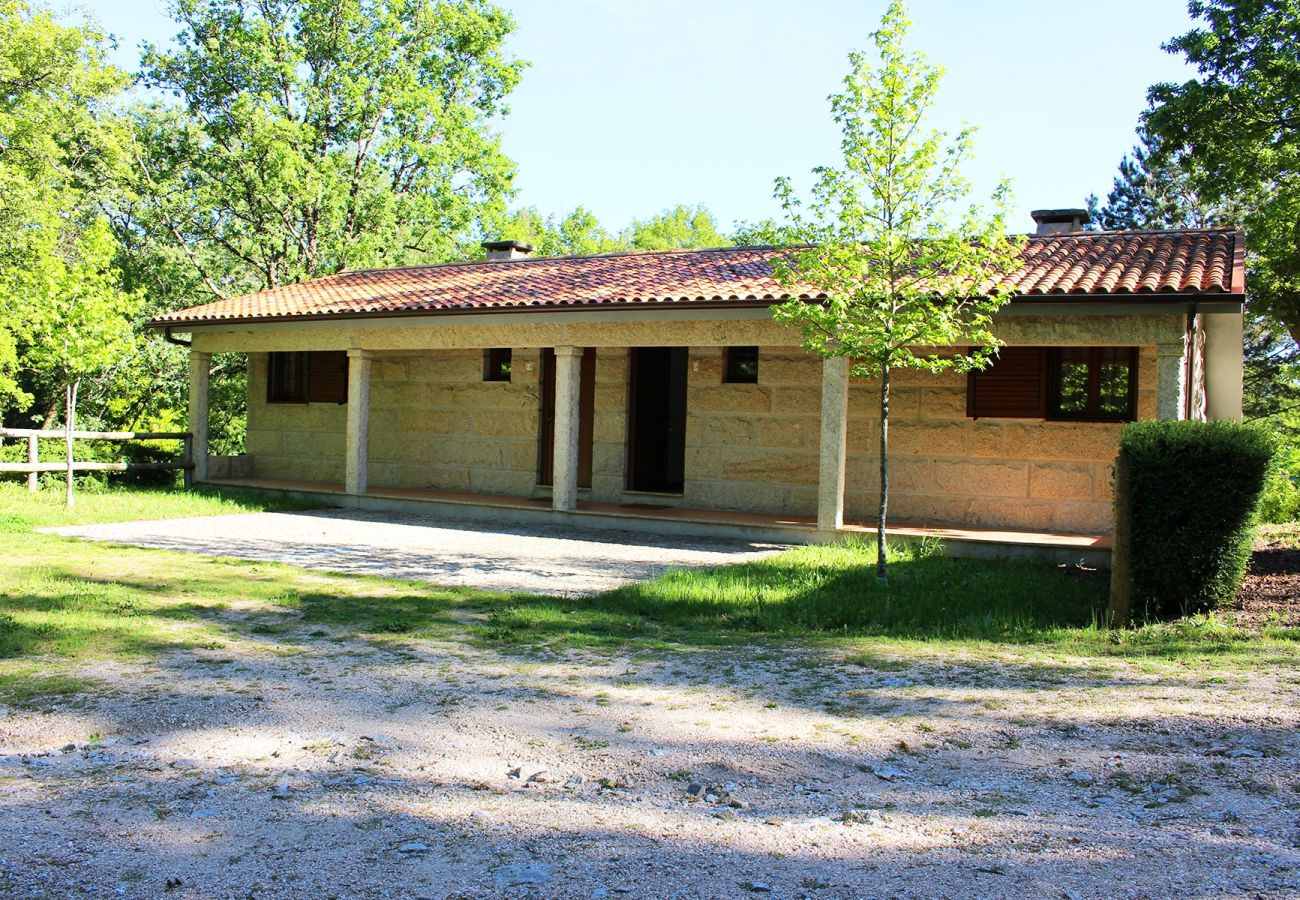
{"x":33,"y":466}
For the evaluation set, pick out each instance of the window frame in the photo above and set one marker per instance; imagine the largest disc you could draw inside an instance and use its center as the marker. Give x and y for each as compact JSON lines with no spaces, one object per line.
{"x":733,"y":359}
{"x":497,"y":363}
{"x":1093,"y":412}
{"x":276,"y":364}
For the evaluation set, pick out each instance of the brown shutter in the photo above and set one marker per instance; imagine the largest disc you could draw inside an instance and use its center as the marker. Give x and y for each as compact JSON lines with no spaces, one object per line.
{"x":1014,"y":386}
{"x":327,"y":376}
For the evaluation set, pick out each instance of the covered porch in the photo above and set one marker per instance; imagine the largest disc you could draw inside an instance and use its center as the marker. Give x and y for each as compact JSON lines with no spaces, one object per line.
{"x":421,"y":427}
{"x":1088,"y":550}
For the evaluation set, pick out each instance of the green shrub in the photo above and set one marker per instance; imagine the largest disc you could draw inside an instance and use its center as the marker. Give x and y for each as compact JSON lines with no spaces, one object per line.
{"x":1281,"y":501}
{"x":1186,"y":497}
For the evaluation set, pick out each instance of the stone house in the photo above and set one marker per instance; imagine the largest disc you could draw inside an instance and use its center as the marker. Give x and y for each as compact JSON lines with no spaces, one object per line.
{"x":654,"y":391}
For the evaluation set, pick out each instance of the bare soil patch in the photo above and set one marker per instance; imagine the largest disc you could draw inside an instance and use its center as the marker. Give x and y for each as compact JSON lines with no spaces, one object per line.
{"x":1271,"y":593}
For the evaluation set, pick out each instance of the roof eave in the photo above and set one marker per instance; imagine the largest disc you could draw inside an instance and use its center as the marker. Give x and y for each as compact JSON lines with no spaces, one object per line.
{"x":1179,"y":298}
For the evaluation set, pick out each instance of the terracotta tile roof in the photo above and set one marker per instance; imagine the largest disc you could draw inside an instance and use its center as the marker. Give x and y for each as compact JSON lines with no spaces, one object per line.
{"x":1086,"y":265}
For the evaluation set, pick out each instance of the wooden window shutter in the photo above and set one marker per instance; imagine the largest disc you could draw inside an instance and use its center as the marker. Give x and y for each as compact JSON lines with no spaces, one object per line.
{"x":327,"y":376}
{"x":1014,"y":386}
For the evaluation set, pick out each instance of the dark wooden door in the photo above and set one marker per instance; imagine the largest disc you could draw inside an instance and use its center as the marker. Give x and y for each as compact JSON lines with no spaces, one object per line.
{"x":656,"y":447}
{"x":586,"y":418}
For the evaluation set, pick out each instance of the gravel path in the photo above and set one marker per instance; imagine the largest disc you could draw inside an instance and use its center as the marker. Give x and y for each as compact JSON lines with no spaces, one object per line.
{"x":323,"y":766}
{"x":538,"y":559}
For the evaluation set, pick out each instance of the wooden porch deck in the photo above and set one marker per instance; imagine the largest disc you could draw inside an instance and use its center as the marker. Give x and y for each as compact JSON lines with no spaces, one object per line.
{"x":1092,"y":550}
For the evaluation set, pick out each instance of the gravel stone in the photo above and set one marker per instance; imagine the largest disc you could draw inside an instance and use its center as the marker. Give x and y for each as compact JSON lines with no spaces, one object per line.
{"x":543,"y":559}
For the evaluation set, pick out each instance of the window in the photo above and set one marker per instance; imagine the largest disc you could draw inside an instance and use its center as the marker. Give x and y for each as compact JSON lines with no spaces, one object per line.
{"x":1092,"y":383}
{"x":496,"y":364}
{"x":286,"y":378}
{"x":742,"y":365}
{"x":315,"y":377}
{"x":1085,"y":384}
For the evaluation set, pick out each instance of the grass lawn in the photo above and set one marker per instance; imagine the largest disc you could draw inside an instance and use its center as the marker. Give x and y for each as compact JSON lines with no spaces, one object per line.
{"x":63,"y":600}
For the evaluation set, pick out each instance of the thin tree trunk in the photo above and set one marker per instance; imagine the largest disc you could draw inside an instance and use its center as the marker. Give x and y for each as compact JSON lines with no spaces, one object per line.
{"x":70,"y":406}
{"x":884,"y":471}
{"x":51,"y":413}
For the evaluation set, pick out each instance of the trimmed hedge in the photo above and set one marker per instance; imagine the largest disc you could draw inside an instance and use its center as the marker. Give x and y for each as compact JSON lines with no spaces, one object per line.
{"x":1186,"y":496}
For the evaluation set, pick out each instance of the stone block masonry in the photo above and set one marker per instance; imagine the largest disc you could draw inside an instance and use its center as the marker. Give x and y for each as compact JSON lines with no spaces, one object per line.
{"x":435,"y":424}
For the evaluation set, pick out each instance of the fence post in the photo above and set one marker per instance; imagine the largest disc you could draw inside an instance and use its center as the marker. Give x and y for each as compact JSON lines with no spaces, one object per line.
{"x":33,"y":457}
{"x":69,"y":417}
{"x":187,"y":457}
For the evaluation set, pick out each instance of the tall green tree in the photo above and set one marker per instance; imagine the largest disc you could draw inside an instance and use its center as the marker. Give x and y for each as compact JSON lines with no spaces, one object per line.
{"x":1239,"y":122}
{"x":1155,"y":189}
{"x":909,"y":269}
{"x":681,"y":227}
{"x":312,"y":136}
{"x":58,"y":149}
{"x":79,"y":318}
{"x":577,"y":234}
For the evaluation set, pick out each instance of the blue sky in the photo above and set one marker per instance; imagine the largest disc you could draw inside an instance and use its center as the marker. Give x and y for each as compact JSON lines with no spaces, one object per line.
{"x":630,"y":107}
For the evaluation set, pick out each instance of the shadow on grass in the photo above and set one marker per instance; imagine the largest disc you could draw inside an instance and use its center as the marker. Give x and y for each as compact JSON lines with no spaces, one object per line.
{"x":830,"y":590}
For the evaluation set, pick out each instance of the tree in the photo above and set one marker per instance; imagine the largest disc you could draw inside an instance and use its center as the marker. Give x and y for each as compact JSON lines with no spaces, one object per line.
{"x":57,"y":148}
{"x":313,"y":136}
{"x":1154,"y":190}
{"x":911,"y":280}
{"x":79,"y":318}
{"x":679,"y":228}
{"x":577,"y":234}
{"x":1239,"y":122}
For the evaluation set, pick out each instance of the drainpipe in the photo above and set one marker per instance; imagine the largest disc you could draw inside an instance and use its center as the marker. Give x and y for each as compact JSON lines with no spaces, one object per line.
{"x":179,"y":342}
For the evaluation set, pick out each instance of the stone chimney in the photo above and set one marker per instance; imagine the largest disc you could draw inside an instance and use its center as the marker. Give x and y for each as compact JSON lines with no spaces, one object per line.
{"x":502,"y":250}
{"x":1060,"y":221}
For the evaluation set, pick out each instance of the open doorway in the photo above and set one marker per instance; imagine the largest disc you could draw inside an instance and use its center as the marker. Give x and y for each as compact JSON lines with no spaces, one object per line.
{"x":656,"y":444}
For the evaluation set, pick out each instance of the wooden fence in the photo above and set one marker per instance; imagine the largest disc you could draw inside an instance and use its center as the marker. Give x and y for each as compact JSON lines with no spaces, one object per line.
{"x":33,"y":466}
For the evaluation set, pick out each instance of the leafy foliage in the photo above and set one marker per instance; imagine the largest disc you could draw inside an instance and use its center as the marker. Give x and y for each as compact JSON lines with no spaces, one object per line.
{"x":580,"y":232}
{"x":1154,"y":190}
{"x":681,"y":227}
{"x":315,"y":136}
{"x":79,"y":319}
{"x":577,"y":234}
{"x":1238,"y":120}
{"x":1186,"y":497}
{"x":907,"y":275}
{"x":59,"y":148}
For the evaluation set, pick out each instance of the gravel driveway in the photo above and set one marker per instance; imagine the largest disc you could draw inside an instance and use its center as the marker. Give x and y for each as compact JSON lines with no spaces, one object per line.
{"x":543,"y":559}
{"x":319,"y":765}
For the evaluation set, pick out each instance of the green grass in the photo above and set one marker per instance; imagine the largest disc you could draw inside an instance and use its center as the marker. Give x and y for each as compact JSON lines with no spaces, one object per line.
{"x":21,"y":510}
{"x":63,"y":601}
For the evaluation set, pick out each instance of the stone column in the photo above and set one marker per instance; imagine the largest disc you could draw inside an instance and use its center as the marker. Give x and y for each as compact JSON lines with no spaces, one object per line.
{"x":1223,"y":366}
{"x":835,"y":429}
{"x":358,"y":428}
{"x":200,"y":374}
{"x":568,"y":379}
{"x":1171,"y":372}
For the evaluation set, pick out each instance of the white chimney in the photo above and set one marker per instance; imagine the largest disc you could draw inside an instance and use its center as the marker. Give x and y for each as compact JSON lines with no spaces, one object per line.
{"x":502,"y":250}
{"x":1060,"y":221}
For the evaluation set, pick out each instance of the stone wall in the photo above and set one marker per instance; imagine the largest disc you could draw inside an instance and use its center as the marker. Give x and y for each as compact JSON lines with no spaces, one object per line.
{"x":946,"y":468}
{"x":293,"y":441}
{"x":436,"y":424}
{"x":752,"y":447}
